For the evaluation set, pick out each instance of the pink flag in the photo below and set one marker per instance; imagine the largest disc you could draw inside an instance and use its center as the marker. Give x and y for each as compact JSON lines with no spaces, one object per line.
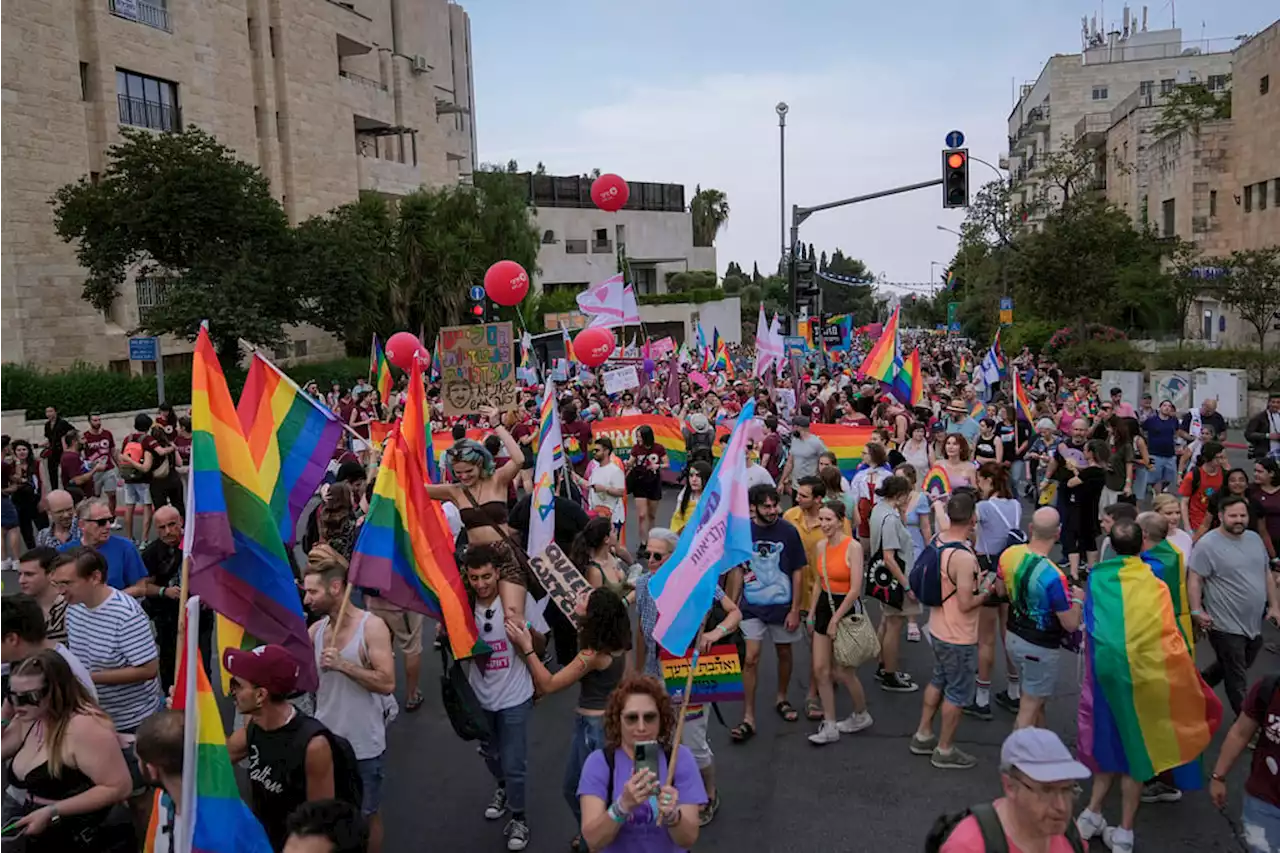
{"x":610,"y":303}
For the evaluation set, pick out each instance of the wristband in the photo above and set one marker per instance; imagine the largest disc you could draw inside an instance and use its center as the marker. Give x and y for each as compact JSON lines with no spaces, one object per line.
{"x":616,"y":814}
{"x":1196,"y":613}
{"x":1217,"y":777}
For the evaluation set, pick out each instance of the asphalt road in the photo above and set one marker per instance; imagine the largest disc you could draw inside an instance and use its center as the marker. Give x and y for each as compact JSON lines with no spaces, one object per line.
{"x":779,"y":792}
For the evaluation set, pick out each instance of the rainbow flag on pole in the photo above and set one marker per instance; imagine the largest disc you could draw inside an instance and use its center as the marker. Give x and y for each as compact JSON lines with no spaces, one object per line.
{"x":882,"y":361}
{"x":380,"y":372}
{"x":405,"y":550}
{"x":238,"y":561}
{"x":1021,"y":402}
{"x":908,"y":386}
{"x":291,"y":439}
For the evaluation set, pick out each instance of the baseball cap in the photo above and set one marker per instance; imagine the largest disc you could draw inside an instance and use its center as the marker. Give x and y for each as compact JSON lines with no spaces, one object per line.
{"x":269,"y":667}
{"x":1040,"y":755}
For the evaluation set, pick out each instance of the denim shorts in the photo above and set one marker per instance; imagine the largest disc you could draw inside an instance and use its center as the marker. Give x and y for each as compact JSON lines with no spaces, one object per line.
{"x":955,"y":670}
{"x":1164,"y":469}
{"x":1037,"y":666}
{"x":1260,"y":822}
{"x":371,"y":774}
{"x":137,"y":494}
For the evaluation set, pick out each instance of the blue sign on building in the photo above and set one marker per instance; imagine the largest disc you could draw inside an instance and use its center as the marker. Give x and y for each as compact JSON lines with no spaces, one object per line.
{"x":143,"y":349}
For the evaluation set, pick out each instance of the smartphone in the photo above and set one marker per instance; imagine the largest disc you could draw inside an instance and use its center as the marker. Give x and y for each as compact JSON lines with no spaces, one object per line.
{"x":647,"y":756}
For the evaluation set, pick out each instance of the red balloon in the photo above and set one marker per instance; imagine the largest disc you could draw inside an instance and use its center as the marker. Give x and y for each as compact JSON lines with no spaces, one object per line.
{"x":402,"y":347}
{"x":610,"y":192}
{"x":506,"y":283}
{"x":592,"y":346}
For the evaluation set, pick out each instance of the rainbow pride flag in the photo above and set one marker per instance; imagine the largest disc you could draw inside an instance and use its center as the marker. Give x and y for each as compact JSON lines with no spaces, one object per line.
{"x":238,"y":561}
{"x":405,"y":550}
{"x":846,"y":442}
{"x":1144,"y":708}
{"x":882,"y":359}
{"x":212,"y":817}
{"x":1170,"y":565}
{"x":1022,"y":571}
{"x":380,"y":372}
{"x":1021,"y":402}
{"x":291,"y":439}
{"x":937,"y":481}
{"x":908,"y":385}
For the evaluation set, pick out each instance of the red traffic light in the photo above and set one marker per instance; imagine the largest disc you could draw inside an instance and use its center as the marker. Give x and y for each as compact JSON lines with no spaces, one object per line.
{"x":955,"y":159}
{"x":478,"y":310}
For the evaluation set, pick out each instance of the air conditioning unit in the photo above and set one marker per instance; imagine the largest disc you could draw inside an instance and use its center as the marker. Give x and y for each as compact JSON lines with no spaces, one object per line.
{"x":420,"y":64}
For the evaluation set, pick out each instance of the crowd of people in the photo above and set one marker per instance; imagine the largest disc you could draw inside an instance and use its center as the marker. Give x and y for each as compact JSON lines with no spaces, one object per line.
{"x":1028,"y":510}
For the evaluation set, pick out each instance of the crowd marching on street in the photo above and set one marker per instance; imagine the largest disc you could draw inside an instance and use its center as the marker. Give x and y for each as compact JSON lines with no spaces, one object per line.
{"x":1038,"y":532}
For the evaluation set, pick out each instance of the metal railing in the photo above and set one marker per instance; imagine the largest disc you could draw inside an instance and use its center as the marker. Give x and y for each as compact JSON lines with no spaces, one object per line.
{"x":151,"y":14}
{"x":361,"y":79}
{"x":1092,"y":123}
{"x":139,"y":113}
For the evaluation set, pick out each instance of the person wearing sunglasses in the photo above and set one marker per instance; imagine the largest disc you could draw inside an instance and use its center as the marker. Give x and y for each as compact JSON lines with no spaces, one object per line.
{"x":626,"y":806}
{"x":67,"y":761}
{"x":125,"y":569}
{"x":23,"y":634}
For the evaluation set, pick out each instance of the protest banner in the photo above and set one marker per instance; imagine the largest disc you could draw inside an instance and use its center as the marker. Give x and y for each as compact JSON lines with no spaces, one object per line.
{"x":662,"y":347}
{"x":718,"y":677}
{"x":561,"y":579}
{"x":620,"y":379}
{"x":477,"y":368}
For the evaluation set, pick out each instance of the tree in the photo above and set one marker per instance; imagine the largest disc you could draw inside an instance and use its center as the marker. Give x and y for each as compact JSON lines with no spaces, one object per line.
{"x":731,"y":285}
{"x":710,"y":213}
{"x":756,"y":278}
{"x":734,"y":269}
{"x":839,"y":298}
{"x":1184,"y":285}
{"x":1253,"y":288}
{"x":1189,"y":105}
{"x":1065,"y":173}
{"x":180,"y":207}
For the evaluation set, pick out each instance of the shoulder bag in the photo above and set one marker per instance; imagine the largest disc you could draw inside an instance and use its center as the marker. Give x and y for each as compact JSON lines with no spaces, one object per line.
{"x":880,"y":582}
{"x":517,"y":553}
{"x":855,"y":642}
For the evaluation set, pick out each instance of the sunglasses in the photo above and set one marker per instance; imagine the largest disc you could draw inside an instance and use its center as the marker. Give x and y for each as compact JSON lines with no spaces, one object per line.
{"x":631,"y":718}
{"x":654,"y":555}
{"x":29,"y":699}
{"x":101,"y":522}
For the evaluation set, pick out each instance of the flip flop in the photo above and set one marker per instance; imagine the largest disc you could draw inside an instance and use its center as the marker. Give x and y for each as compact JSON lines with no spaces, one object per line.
{"x":742,"y":732}
{"x":413,"y":702}
{"x":787,"y":711}
{"x":812,"y":710}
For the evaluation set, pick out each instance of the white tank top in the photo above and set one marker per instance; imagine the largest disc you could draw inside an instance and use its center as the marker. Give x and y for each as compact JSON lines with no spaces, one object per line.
{"x":343,"y":705}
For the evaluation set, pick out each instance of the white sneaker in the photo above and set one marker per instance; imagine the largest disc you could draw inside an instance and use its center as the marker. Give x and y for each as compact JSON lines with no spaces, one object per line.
{"x":855,"y":723}
{"x":1090,"y":825}
{"x":116,"y":525}
{"x":826,"y":733}
{"x":1118,"y":839}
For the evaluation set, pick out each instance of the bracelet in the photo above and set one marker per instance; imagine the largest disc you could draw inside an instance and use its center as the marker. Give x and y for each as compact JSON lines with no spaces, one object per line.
{"x":529,"y":653}
{"x":1196,"y":613}
{"x":616,"y":814}
{"x":1217,"y":777}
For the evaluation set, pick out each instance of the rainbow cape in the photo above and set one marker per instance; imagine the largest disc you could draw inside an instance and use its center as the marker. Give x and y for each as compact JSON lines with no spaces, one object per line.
{"x":882,"y":359}
{"x":405,"y":550}
{"x":238,"y":562}
{"x":907,"y":385}
{"x":1022,"y":403}
{"x":1144,"y":708}
{"x":1023,"y":570}
{"x":846,"y":442}
{"x":1170,"y":565}
{"x":937,"y":481}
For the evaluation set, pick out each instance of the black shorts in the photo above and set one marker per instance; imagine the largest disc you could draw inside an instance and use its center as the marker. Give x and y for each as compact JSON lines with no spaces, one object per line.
{"x":530,"y":458}
{"x":822,"y":613}
{"x":649,"y":488}
{"x":986,"y":566}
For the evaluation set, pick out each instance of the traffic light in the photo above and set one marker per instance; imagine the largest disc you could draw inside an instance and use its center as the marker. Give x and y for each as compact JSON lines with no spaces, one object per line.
{"x":479,"y":304}
{"x":808,"y":290}
{"x":955,"y":177}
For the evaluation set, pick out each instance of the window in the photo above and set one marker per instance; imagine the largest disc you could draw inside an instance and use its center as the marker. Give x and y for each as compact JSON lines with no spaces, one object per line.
{"x":153,"y":13}
{"x":1264,"y":84}
{"x":253,"y":39}
{"x":119,"y":365}
{"x":1099,"y":93}
{"x":1248,"y":198}
{"x":84,"y":81}
{"x":1276,"y":188}
{"x":1166,"y":86}
{"x":271,"y":39}
{"x":94,"y":178}
{"x":147,"y":101}
{"x":548,"y":237}
{"x":1217,"y":82}
{"x":1262,"y":195}
{"x":1146,"y":87}
{"x":575,"y":247}
{"x":645,"y":280}
{"x":150,"y":292}
{"x":600,"y":243}
{"x":299,"y":348}
{"x":257,"y":121}
{"x":281,"y":352}
{"x":279,"y":126}
{"x":1213,"y":202}
{"x":1167,"y":213}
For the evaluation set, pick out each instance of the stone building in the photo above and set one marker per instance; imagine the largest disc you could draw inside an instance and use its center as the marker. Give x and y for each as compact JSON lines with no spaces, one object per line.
{"x":328,"y":97}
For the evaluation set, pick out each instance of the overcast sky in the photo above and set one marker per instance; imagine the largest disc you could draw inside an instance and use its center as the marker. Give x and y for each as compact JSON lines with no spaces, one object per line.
{"x":683,"y":91}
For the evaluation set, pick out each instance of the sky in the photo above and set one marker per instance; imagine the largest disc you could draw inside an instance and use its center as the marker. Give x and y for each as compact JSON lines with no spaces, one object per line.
{"x":683,"y":91}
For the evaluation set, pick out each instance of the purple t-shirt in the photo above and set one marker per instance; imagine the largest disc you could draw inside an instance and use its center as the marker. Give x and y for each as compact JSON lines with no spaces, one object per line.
{"x":640,"y":834}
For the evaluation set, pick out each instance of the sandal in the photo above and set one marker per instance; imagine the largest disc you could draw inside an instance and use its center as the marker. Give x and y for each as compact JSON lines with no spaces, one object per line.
{"x":413,"y":702}
{"x":787,"y":711}
{"x":812,"y":710}
{"x":742,"y":732}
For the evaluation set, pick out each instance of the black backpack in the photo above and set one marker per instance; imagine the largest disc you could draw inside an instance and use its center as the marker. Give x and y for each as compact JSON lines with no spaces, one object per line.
{"x":347,"y":784}
{"x":993,"y":837}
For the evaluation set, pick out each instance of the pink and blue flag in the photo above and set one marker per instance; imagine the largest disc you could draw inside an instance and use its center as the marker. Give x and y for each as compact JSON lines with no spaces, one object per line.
{"x":717,"y":539}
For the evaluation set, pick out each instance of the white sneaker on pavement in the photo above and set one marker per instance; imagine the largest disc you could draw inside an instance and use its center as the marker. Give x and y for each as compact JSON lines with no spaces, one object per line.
{"x":827,"y":733}
{"x":1090,"y":824}
{"x":1118,"y":839}
{"x":854,"y":723}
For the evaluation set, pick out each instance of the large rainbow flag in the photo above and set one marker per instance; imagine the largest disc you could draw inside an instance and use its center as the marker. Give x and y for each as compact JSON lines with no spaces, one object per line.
{"x":405,"y":549}
{"x":291,"y":439}
{"x":1021,"y":402}
{"x":212,"y":817}
{"x":846,"y":442}
{"x":882,"y":360}
{"x":380,"y":372}
{"x":908,"y":386}
{"x":238,"y":562}
{"x":666,"y":432}
{"x":1170,"y":565}
{"x":1144,"y":708}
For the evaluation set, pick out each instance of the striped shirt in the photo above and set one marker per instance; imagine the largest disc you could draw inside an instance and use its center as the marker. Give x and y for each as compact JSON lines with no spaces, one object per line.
{"x":115,"y":635}
{"x":55,"y":624}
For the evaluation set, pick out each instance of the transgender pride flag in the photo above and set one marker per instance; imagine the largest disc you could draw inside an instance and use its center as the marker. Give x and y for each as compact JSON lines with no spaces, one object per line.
{"x":717,"y":539}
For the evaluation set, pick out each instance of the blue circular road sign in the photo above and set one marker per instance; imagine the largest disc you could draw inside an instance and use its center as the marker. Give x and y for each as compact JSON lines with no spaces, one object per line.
{"x":955,"y":139}
{"x":476,"y":293}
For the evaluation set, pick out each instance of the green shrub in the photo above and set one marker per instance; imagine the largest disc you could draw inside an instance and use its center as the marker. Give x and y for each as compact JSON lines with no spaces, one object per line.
{"x":697,"y":295}
{"x":1027,"y":333}
{"x":1089,"y":358}
{"x":88,"y":388}
{"x":1263,"y":367}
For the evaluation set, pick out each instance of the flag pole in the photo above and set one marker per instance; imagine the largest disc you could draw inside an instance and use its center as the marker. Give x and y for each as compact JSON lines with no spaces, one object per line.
{"x":684,"y":707}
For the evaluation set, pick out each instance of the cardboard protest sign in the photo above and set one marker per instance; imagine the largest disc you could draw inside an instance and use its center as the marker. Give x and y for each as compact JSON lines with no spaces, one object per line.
{"x":477,"y":368}
{"x":718,"y":677}
{"x":560,"y":578}
{"x":620,"y":379}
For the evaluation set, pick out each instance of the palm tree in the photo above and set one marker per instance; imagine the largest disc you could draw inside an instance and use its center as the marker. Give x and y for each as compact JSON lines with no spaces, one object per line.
{"x":710,"y":211}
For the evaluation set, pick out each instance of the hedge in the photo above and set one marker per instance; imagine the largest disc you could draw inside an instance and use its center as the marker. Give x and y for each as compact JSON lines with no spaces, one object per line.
{"x":1090,"y":358}
{"x":88,"y":388}
{"x":698,"y":295}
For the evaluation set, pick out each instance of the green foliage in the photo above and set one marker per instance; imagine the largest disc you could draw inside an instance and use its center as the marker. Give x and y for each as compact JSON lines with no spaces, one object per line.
{"x":696,"y":295}
{"x":856,"y":299}
{"x":1033,"y":333}
{"x":731,"y":285}
{"x":1252,"y":287}
{"x":86,"y":388}
{"x":709,"y":209}
{"x":1189,"y":105}
{"x":1089,"y":358}
{"x":559,"y":301}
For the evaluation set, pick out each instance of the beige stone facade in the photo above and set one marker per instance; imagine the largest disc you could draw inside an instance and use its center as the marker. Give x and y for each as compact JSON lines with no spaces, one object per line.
{"x":328,"y":98}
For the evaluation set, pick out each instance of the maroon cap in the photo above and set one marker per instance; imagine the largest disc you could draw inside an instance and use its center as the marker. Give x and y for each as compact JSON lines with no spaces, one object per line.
{"x":269,"y":667}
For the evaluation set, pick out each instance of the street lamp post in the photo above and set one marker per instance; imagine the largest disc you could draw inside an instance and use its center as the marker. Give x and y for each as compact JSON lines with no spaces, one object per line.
{"x":781,"y":110}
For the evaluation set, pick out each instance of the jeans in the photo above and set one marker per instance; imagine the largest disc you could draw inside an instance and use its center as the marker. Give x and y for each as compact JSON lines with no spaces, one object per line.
{"x":1235,"y":654}
{"x":1141,"y":477}
{"x":588,"y":736}
{"x":506,"y":754}
{"x":1017,"y":476}
{"x":1260,"y":822}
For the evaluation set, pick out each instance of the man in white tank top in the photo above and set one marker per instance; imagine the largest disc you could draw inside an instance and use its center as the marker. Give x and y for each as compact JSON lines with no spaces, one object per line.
{"x":357,"y":678}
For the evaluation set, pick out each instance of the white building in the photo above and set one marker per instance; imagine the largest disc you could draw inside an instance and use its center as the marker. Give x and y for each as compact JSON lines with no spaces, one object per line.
{"x":1075,"y":93}
{"x":581,"y":242}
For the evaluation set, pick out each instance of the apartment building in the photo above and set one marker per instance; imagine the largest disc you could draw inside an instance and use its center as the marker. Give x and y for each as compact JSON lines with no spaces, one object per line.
{"x":581,"y":242}
{"x":328,"y":97}
{"x":1075,"y":94}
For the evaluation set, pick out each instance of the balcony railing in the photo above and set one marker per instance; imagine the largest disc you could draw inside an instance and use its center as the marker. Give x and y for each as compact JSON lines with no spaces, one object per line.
{"x":143,"y":12}
{"x":140,"y":113}
{"x":362,"y":80}
{"x":1091,"y":124}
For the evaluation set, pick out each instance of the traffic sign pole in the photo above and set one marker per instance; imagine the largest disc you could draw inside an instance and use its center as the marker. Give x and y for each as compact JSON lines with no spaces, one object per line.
{"x":159,"y":375}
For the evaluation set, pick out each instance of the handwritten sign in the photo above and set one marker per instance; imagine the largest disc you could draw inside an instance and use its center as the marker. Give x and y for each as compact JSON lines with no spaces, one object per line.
{"x":561,"y":579}
{"x":620,"y":379}
{"x":477,"y":368}
{"x":718,"y":677}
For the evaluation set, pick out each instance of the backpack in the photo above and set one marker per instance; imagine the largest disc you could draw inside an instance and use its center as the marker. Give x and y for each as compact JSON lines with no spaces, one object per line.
{"x":347,"y":784}
{"x":135,"y":452}
{"x":1015,"y":536}
{"x":460,"y":703}
{"x":926,"y":575}
{"x":699,"y":447}
{"x":993,"y":837}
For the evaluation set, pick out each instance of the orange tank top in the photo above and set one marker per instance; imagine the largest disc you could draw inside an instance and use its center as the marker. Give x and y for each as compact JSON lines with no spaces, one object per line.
{"x":835,"y":561}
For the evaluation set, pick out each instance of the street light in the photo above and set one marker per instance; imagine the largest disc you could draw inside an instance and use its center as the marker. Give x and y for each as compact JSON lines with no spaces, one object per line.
{"x":781,"y":109}
{"x":932,"y":279}
{"x":952,"y":230}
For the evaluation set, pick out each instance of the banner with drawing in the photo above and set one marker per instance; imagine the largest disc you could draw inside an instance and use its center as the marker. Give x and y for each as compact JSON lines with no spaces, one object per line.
{"x":477,"y":368}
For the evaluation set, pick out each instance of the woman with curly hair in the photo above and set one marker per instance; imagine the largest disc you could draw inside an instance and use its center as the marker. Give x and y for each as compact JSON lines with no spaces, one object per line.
{"x":594,"y":553}
{"x":480,"y":490}
{"x":626,"y":807}
{"x":605,"y":639}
